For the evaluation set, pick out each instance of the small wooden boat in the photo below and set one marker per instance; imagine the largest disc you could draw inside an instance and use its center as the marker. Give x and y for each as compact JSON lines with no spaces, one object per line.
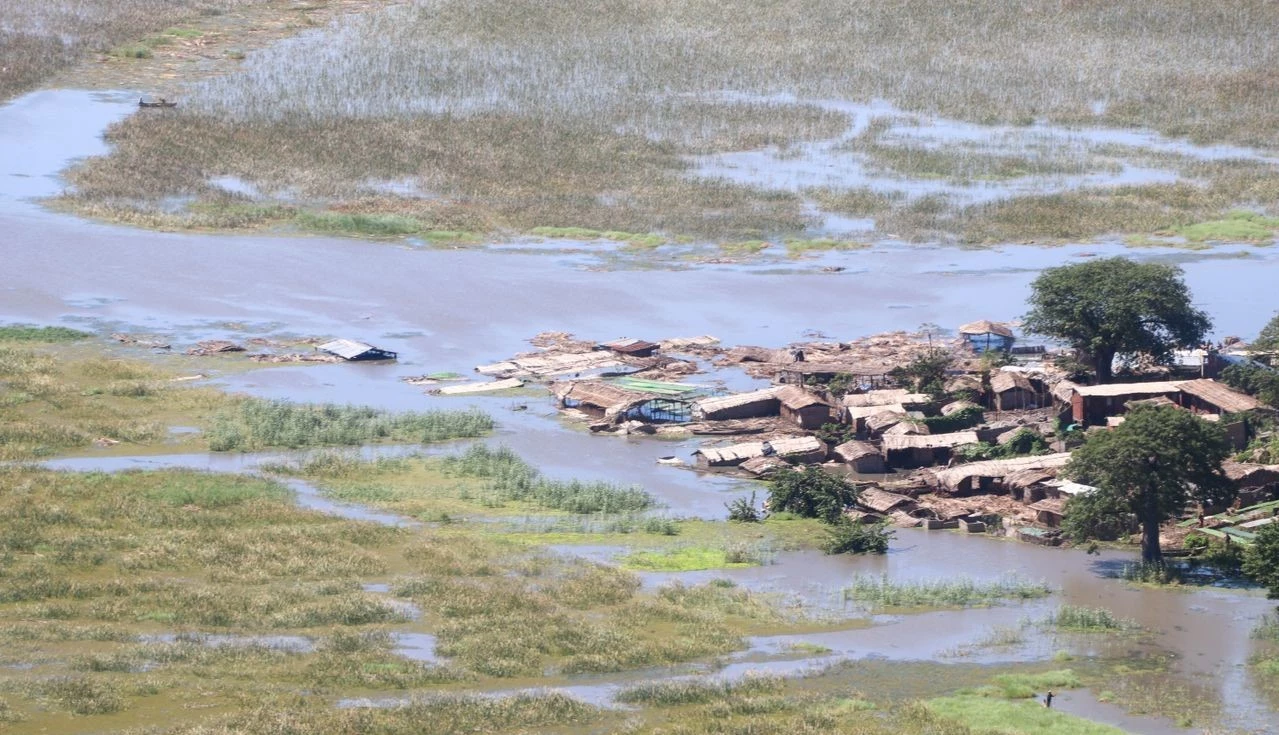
{"x":161,"y":103}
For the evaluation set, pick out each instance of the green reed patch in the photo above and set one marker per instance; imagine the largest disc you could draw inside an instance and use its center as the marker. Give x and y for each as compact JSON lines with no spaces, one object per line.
{"x":881,"y":592}
{"x":376,"y":225}
{"x":255,"y":424}
{"x":682,"y":692}
{"x":32,"y":333}
{"x":986,"y":715}
{"x":509,"y":478}
{"x":1089,"y":620}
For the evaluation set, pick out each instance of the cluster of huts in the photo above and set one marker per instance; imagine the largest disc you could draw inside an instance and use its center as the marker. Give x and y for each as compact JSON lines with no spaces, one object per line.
{"x":839,"y":404}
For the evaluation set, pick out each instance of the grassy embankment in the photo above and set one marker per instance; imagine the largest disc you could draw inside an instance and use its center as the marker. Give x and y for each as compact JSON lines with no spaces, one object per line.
{"x":495,"y":116}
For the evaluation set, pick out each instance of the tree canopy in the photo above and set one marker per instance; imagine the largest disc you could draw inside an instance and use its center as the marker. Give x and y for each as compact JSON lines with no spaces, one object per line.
{"x":1116,"y":306}
{"x":1261,"y":560}
{"x":1268,"y":339}
{"x":810,"y":493}
{"x":1154,"y":463}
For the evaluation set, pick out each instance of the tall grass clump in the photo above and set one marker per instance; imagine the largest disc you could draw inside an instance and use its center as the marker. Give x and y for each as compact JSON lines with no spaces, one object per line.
{"x":881,"y":592}
{"x":1088,"y":620}
{"x":510,"y":478}
{"x":681,"y":692}
{"x":32,"y":333}
{"x":255,"y":424}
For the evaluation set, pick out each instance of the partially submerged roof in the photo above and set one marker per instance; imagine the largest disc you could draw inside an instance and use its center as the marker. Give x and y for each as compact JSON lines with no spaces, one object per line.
{"x":349,"y":349}
{"x":493,"y":385}
{"x":723,"y":403}
{"x":630,"y":346}
{"x":930,"y":441}
{"x":551,"y":365}
{"x":656,"y":387}
{"x":738,"y":453}
{"x":951,"y":477}
{"x":986,"y":326}
{"x":596,"y":393}
{"x":881,"y":500}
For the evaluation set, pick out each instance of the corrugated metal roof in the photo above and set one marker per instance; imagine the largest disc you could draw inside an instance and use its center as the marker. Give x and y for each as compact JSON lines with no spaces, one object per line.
{"x":850,"y":451}
{"x":862,"y":412}
{"x":721,"y":403}
{"x":596,"y":393}
{"x":656,"y":387}
{"x":887,"y":397}
{"x":951,"y":477}
{"x":1129,"y":389}
{"x":346,"y":348}
{"x":930,"y":441}
{"x":1221,"y":396}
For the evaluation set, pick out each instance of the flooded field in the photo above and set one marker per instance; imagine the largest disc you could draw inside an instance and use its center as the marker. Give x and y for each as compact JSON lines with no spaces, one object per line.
{"x":450,"y":309}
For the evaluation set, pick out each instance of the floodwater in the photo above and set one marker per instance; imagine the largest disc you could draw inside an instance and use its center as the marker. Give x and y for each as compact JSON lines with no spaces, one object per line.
{"x":454,"y":309}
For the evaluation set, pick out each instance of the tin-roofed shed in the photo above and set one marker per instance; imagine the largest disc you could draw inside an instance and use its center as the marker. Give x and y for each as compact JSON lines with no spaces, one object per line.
{"x":349,"y":349}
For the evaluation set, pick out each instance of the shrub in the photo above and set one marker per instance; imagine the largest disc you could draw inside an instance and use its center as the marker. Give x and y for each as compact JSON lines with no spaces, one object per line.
{"x":811,"y":493}
{"x":846,"y":536}
{"x":742,"y":510}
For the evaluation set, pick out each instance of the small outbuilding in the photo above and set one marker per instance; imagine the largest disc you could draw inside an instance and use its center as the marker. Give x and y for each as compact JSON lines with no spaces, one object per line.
{"x":352,"y":351}
{"x":630,"y":346}
{"x":861,"y":457}
{"x":987,"y":336}
{"x":805,"y":410}
{"x":1012,"y":391}
{"x":738,"y":406}
{"x":926,"y":450}
{"x":796,"y":450}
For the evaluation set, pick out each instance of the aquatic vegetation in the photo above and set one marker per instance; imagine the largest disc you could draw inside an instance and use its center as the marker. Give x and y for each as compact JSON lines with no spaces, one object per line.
{"x":983,"y":714}
{"x":510,"y":478}
{"x":255,"y":424}
{"x":682,"y":692}
{"x":51,"y":402}
{"x":1026,"y":686}
{"x":1237,"y":227}
{"x":1088,"y":620}
{"x":883,"y":593}
{"x":32,"y":333}
{"x":694,"y":558}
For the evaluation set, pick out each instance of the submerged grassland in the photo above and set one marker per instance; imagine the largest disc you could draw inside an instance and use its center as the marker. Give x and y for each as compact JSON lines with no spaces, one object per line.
{"x":513,"y":116}
{"x":56,"y":400}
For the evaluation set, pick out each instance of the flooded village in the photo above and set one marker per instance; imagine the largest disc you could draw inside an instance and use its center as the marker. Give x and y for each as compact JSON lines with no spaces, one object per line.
{"x":436,"y":367}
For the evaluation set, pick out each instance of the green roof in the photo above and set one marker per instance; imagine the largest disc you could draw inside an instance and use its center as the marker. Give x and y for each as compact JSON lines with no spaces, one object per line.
{"x":657,"y":387}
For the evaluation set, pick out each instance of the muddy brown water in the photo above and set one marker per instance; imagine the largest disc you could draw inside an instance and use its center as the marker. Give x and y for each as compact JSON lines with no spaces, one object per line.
{"x":454,"y":309}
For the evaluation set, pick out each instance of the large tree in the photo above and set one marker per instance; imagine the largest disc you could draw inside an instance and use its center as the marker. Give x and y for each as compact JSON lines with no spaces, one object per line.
{"x":1154,"y":463}
{"x":1268,"y":341}
{"x":1116,"y":306}
{"x":1261,"y":560}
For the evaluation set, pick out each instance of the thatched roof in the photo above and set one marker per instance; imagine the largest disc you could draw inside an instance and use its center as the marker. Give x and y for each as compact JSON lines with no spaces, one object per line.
{"x":907,"y":427}
{"x":886,"y":397}
{"x":882,"y":501}
{"x":930,"y":441}
{"x":957,"y":406}
{"x":796,"y":398}
{"x":596,"y":393}
{"x":855,"y":450}
{"x":862,"y":412}
{"x":884,"y":420}
{"x":986,"y":326}
{"x":1006,"y":380}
